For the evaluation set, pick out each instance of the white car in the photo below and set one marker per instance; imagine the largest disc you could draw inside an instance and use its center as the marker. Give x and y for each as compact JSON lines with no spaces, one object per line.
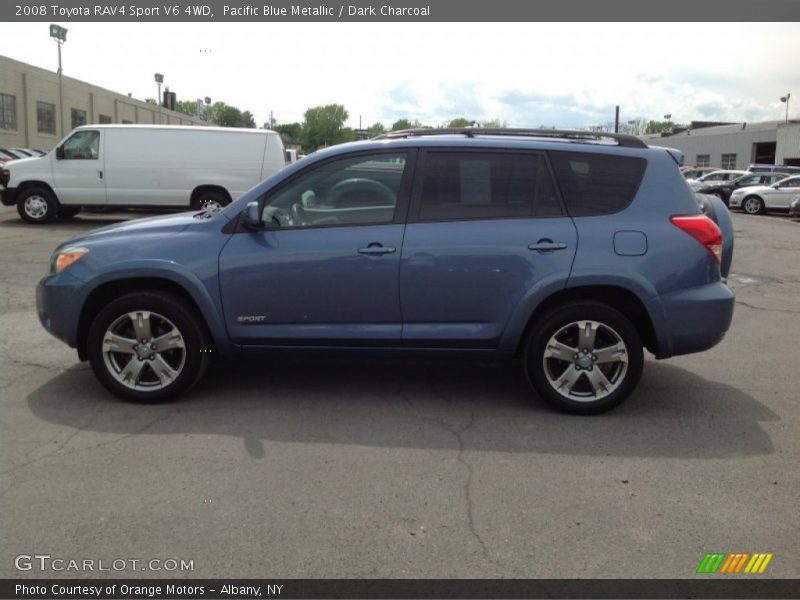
{"x":759,"y":199}
{"x":715,"y":178}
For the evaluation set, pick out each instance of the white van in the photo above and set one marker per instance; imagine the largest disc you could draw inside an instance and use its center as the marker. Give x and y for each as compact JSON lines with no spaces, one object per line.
{"x":141,"y":166}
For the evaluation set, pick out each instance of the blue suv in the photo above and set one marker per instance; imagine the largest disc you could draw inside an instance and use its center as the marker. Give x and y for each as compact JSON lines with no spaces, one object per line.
{"x":570,"y":251}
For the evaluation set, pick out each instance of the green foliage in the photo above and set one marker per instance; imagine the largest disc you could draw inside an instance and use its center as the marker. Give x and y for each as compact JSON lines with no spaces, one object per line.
{"x":187,"y":107}
{"x":494,"y":124}
{"x":659,"y":127}
{"x":405,"y":124}
{"x":375,"y":129}
{"x":460,"y":122}
{"x":224,"y":115}
{"x":290,"y":133}
{"x":324,"y":126}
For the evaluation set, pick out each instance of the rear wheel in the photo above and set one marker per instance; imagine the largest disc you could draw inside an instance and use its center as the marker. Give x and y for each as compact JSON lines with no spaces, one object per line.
{"x":210,"y":200}
{"x":37,"y":205}
{"x":147,"y":346}
{"x":584,"y":357}
{"x":753,"y":205}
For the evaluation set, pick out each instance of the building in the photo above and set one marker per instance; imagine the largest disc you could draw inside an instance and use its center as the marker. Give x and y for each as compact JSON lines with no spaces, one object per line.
{"x":29,"y":114}
{"x":736,"y":146}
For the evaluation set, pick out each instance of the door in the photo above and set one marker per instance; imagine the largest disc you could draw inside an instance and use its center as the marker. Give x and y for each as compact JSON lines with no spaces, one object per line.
{"x":325,"y":269}
{"x":783,"y":193}
{"x":78,"y":169}
{"x":484,"y":228}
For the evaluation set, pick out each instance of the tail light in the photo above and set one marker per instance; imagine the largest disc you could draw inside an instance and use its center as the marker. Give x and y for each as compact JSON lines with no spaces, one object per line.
{"x":704,"y":230}
{"x":5,"y":176}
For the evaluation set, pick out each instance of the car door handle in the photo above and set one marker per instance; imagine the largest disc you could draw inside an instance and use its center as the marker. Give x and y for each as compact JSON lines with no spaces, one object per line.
{"x":546,"y":245}
{"x":376,"y":249}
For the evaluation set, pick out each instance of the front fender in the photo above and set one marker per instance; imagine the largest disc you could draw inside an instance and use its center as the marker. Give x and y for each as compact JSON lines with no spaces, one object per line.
{"x":205,"y":294}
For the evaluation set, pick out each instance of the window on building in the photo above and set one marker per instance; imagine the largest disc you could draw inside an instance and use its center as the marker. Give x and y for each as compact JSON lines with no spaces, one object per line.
{"x":703,"y":160}
{"x":728,"y":161}
{"x":105,"y":120}
{"x":8,"y":111}
{"x":46,"y":117}
{"x":78,"y":117}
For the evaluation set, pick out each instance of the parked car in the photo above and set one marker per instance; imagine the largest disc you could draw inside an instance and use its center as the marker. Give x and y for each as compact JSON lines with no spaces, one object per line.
{"x":788,"y":170}
{"x":425,"y":242}
{"x":148,"y":166}
{"x":794,"y":207}
{"x":12,"y":154}
{"x":757,"y":200}
{"x":720,"y":176}
{"x":723,"y":189}
{"x":692,"y":173}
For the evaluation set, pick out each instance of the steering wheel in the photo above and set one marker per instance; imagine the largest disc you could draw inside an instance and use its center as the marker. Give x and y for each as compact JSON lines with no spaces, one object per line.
{"x":299,"y":216}
{"x":357,"y":188}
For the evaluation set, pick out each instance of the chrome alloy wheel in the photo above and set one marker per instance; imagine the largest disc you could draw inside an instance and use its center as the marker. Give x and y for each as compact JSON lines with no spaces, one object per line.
{"x":752,"y":206}
{"x":211,"y":204}
{"x":35,"y":207}
{"x":144,"y":351}
{"x":585,"y":361}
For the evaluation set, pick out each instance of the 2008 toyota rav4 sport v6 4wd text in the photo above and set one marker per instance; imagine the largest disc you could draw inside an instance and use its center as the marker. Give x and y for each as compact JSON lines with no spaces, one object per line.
{"x":570,"y":250}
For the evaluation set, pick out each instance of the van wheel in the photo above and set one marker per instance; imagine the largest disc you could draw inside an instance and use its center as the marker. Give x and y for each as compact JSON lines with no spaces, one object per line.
{"x":212,"y":200}
{"x":37,"y":205}
{"x":148,"y":347}
{"x":584,"y":357}
{"x":753,"y":205}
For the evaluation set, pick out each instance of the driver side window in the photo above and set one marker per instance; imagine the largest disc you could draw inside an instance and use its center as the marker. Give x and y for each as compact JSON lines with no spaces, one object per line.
{"x":352,"y":191}
{"x":83,"y":145}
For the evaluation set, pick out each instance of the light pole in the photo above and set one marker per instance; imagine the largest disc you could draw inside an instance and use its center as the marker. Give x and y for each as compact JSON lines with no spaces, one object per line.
{"x":786,"y":100}
{"x":59,"y":35}
{"x":159,"y":81}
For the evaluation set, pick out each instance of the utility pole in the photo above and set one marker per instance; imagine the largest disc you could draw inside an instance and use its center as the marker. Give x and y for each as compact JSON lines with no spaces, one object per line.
{"x":616,"y":120}
{"x":59,"y":35}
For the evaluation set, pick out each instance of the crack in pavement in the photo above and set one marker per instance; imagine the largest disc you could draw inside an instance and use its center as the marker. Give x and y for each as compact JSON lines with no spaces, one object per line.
{"x":781,"y":310}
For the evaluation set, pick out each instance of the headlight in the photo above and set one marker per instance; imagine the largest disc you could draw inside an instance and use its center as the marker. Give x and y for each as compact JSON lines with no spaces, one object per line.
{"x":64,"y":258}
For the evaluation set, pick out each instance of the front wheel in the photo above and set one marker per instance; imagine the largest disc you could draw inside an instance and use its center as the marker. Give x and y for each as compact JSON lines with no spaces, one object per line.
{"x":210,"y":201}
{"x":753,"y":205}
{"x":147,"y":346}
{"x":37,"y":205}
{"x":584,"y":357}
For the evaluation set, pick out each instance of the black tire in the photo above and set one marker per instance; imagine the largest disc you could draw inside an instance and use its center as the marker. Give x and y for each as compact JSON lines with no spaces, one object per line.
{"x":67,"y":212}
{"x":37,"y":205}
{"x":164,"y":312}
{"x":753,"y":205}
{"x":561,"y":323}
{"x":204,"y":200}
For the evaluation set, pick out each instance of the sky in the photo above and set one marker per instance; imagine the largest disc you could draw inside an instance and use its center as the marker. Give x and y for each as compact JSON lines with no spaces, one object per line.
{"x":526,"y":74}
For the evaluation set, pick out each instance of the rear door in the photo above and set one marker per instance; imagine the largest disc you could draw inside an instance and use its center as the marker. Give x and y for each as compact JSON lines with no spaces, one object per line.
{"x":484,"y":227}
{"x":783,"y":193}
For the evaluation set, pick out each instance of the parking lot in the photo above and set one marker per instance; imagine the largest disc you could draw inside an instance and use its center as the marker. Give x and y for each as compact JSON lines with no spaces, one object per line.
{"x":312,"y":468}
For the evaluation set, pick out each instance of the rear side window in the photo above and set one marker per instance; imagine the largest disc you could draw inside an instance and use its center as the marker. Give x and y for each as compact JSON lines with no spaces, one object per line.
{"x":486,"y":185}
{"x":597,"y":184}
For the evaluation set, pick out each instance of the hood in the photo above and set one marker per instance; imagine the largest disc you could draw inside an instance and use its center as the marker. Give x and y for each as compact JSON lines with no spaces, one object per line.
{"x":172,"y":223}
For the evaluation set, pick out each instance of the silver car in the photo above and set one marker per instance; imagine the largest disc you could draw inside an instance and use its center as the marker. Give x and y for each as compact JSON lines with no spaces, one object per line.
{"x":794,"y":207}
{"x":715,"y":178}
{"x":759,"y":199}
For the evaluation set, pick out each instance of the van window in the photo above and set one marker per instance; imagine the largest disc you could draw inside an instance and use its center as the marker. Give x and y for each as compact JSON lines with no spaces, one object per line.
{"x":597,"y":184}
{"x":486,"y":185}
{"x":83,"y":145}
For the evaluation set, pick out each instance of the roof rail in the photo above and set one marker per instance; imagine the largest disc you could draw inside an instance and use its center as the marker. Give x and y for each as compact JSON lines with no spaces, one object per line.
{"x":627,"y":141}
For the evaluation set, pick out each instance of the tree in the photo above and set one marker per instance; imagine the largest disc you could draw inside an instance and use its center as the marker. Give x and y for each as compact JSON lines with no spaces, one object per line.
{"x":460,"y":122}
{"x":376,"y":129}
{"x":494,"y":124}
{"x":405,"y":124}
{"x":324,"y":126}
{"x":187,"y":107}
{"x":289,"y":132}
{"x":224,"y":115}
{"x":659,"y":127}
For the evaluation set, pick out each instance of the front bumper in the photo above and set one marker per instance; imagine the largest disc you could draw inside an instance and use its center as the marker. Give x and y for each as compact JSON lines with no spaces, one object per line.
{"x":58,"y":301}
{"x":735,"y":201}
{"x":8,"y":196}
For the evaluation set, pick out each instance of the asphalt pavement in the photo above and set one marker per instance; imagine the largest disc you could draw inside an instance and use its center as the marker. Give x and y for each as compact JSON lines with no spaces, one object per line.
{"x":291,"y":468}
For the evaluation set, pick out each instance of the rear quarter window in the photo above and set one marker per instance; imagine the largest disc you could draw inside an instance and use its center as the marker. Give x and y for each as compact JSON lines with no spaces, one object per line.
{"x":597,"y":184}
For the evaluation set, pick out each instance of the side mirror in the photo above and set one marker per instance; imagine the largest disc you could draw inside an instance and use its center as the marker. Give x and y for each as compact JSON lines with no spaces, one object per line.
{"x":251,"y":216}
{"x":60,"y":152}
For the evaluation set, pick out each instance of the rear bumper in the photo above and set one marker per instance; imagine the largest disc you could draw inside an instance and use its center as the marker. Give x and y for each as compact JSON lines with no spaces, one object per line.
{"x":696,"y":318}
{"x":8,"y":196}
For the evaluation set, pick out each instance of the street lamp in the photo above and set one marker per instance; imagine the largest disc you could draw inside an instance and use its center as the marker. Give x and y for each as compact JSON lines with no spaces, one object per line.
{"x":59,"y":35}
{"x":786,"y":100}
{"x":159,"y":81}
{"x":667,"y":117}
